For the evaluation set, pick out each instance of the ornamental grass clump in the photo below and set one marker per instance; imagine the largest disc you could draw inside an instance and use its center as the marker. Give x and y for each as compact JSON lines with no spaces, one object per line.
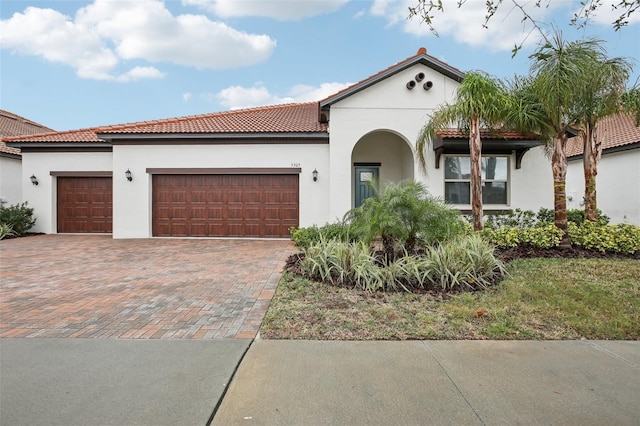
{"x":463,"y":264}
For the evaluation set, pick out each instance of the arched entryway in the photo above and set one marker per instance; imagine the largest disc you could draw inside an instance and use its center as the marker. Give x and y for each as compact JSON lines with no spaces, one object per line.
{"x":382,"y":155}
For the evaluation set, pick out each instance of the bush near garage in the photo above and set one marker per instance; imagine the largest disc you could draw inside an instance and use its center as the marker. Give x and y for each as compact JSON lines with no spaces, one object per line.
{"x":17,"y":218}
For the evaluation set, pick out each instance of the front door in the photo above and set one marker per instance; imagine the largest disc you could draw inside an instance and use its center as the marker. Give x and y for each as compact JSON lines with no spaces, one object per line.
{"x":364,"y":177}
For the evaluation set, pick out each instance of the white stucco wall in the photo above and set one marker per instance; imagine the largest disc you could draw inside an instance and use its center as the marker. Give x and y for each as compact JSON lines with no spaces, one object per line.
{"x":617,"y":186}
{"x":132,"y":200}
{"x":43,"y":196}
{"x":10,"y":180}
{"x":390,"y":107}
{"x":531,"y":187}
{"x":387,"y":106}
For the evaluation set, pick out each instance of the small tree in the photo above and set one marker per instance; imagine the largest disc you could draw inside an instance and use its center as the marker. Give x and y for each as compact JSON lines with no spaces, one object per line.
{"x":481,"y":101}
{"x":558,"y":68}
{"x":600,"y":94}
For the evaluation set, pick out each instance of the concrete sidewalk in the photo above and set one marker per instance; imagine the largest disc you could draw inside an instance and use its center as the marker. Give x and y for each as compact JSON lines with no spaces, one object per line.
{"x":88,"y":382}
{"x":435,"y":383}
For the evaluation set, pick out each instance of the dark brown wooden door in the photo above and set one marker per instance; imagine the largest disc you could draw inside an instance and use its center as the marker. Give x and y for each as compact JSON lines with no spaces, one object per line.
{"x":85,"y":204}
{"x":225,"y":205}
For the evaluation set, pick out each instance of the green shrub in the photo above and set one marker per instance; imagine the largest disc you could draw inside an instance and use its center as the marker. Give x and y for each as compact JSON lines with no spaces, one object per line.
{"x":619,"y":238}
{"x":19,"y":217}
{"x":6,"y":231}
{"x":513,"y":218}
{"x":540,"y":236}
{"x":577,"y":216}
{"x":305,"y":237}
{"x":545,"y":215}
{"x":527,"y":218}
{"x":504,"y":237}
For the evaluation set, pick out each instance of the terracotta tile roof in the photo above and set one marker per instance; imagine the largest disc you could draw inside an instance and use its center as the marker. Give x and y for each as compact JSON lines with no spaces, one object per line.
{"x":14,"y":125}
{"x":287,"y":118}
{"x":81,"y":135}
{"x":614,"y":131}
{"x":485,"y":134}
{"x":420,"y":55}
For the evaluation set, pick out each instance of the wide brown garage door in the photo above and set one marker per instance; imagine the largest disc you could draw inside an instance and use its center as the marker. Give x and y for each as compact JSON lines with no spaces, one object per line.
{"x":225,"y":205}
{"x":85,"y":204}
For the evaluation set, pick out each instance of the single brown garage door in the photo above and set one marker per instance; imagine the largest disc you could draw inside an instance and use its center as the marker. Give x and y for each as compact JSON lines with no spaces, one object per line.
{"x":224,"y":205}
{"x":85,"y":204}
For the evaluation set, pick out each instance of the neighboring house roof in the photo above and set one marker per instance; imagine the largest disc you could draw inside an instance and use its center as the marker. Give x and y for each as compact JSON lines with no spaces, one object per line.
{"x":421,"y":57}
{"x":616,"y":132}
{"x":15,"y":125}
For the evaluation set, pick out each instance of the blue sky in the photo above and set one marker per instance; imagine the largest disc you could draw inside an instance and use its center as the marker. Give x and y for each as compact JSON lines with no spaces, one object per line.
{"x":77,"y":64}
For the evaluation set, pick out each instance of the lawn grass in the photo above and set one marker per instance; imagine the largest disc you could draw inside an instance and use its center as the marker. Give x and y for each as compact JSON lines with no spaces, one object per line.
{"x":541,"y":299}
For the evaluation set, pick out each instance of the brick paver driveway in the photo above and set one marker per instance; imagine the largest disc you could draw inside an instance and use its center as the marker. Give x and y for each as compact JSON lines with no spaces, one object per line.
{"x":94,"y":286}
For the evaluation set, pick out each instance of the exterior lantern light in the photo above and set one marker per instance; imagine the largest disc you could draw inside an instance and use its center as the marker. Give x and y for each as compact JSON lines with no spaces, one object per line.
{"x":128,"y":175}
{"x":34,"y":180}
{"x":315,"y":175}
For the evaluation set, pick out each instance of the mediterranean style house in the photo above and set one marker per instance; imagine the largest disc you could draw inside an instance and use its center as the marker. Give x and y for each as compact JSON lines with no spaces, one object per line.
{"x":10,"y":158}
{"x":257,"y":172}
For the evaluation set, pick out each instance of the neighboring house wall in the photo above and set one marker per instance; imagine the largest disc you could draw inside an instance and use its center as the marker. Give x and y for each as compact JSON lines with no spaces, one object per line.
{"x":43,"y":196}
{"x":617,"y":185}
{"x":132,"y":200}
{"x":10,"y":185}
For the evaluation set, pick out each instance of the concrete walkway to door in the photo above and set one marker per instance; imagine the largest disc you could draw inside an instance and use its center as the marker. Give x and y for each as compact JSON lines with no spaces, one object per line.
{"x":94,"y":286}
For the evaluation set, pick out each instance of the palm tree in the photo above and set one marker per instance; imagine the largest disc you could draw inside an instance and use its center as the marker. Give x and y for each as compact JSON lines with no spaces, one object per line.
{"x":558,"y":70}
{"x":600,"y":95}
{"x":480,"y":101}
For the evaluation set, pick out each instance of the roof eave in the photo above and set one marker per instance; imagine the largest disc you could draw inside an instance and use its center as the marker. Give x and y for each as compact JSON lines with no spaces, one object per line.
{"x":83,"y":144}
{"x":11,"y":155}
{"x":612,"y":150}
{"x":183,"y":136}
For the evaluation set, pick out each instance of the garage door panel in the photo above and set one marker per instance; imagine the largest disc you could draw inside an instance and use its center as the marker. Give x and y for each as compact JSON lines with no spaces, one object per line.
{"x":84,"y":204}
{"x":233,"y":205}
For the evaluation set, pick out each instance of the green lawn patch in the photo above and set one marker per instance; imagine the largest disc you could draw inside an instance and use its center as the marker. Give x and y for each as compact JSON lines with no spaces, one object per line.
{"x":541,"y":299}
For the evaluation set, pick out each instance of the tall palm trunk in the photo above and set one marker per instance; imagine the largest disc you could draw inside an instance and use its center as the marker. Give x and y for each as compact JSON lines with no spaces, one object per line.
{"x":591,"y":156}
{"x":475,"y":148}
{"x":559,"y":168}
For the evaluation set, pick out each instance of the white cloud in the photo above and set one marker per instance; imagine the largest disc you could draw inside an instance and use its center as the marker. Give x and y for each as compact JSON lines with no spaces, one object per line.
{"x":464,"y":23}
{"x":105,"y":32}
{"x":138,"y":73}
{"x":186,"y":96}
{"x":280,"y":9}
{"x":237,"y":97}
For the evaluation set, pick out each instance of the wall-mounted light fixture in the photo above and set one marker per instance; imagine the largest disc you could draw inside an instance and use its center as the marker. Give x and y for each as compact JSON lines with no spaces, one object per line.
{"x":315,"y":175}
{"x":34,"y":180}
{"x":128,"y":175}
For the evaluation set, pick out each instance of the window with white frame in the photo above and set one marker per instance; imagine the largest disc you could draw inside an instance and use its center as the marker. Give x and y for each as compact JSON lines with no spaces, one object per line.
{"x":457,"y":179}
